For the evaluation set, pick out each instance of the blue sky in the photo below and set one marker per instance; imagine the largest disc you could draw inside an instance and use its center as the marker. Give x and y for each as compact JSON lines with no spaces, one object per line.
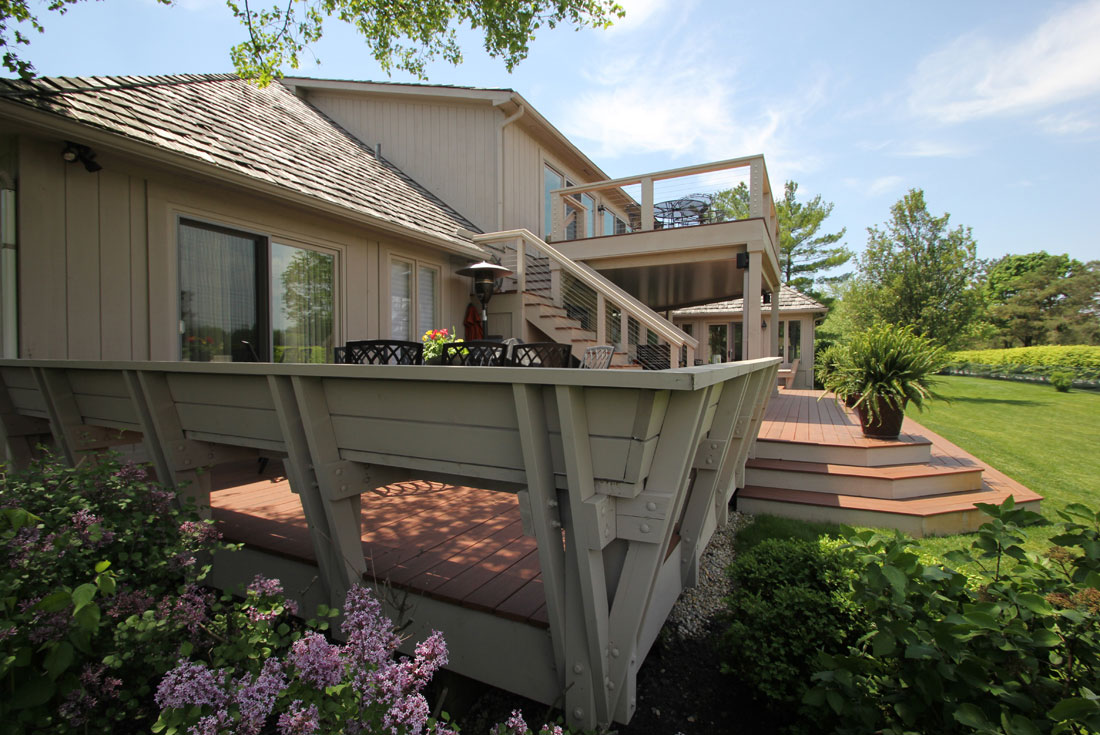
{"x":993,"y":108}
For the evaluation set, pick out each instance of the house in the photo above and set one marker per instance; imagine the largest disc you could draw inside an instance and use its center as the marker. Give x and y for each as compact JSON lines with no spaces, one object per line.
{"x":179,"y":218}
{"x":178,"y":253}
{"x":720,"y":325}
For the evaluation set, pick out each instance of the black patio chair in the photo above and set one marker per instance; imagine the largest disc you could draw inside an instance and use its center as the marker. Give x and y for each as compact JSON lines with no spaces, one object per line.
{"x":477,"y":352}
{"x":541,"y":354}
{"x":598,"y":357}
{"x":381,"y":352}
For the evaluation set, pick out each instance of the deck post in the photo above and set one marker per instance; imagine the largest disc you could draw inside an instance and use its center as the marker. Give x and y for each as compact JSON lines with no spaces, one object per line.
{"x":751,"y":301}
{"x":187,"y":473}
{"x":304,"y":481}
{"x":342,"y":502}
{"x":713,"y":471}
{"x":668,"y":475}
{"x":545,"y":507}
{"x":587,"y":700}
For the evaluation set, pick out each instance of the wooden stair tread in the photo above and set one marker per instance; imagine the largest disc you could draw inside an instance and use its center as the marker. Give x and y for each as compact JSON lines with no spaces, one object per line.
{"x":920,"y":506}
{"x":888,"y":472}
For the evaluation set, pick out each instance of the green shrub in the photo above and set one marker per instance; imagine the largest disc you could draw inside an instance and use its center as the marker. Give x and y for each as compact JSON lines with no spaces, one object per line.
{"x":786,"y":607}
{"x":1019,"y":653}
{"x":1062,"y":380}
{"x":1082,"y":360}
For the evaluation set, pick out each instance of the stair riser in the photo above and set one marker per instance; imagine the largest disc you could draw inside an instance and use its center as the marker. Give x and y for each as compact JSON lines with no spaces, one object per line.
{"x":941,"y":524}
{"x":866,"y":487}
{"x":850,"y":456}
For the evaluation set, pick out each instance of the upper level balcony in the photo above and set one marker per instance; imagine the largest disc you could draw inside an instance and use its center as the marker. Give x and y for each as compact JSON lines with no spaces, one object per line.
{"x":672,"y":238}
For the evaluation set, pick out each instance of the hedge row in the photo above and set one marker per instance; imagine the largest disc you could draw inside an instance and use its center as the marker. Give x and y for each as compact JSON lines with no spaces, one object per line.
{"x":1074,"y":357}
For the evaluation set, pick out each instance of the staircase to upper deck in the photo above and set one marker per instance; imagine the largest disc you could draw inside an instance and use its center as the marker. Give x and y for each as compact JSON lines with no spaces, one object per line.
{"x":571,"y":303}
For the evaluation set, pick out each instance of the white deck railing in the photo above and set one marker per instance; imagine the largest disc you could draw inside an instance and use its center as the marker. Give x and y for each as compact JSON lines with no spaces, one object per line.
{"x":613,"y":197}
{"x":613,"y":315}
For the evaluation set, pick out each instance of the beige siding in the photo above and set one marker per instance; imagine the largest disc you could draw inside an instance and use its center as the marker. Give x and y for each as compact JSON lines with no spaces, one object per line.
{"x":98,"y":262}
{"x":449,"y":148}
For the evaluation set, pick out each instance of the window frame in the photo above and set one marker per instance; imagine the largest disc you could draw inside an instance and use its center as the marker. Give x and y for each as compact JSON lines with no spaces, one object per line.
{"x":414,"y":295}
{"x":261,"y":273}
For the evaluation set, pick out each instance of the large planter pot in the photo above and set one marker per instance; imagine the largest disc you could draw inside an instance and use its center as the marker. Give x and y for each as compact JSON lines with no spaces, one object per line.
{"x":851,"y":400}
{"x":888,"y":423}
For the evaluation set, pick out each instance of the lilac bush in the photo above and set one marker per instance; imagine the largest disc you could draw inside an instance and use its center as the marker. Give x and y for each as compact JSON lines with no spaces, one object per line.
{"x":315,"y":686}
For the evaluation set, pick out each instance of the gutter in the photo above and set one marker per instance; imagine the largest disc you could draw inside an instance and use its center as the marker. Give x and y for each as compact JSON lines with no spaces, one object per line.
{"x":500,"y":154}
{"x":117,"y":143}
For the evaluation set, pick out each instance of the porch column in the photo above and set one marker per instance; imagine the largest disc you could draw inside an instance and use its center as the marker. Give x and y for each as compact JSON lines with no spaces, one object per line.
{"x":773,"y":332}
{"x":753,"y":345}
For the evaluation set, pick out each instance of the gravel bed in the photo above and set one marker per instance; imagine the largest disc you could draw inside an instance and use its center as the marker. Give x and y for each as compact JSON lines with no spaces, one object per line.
{"x":680,"y":686}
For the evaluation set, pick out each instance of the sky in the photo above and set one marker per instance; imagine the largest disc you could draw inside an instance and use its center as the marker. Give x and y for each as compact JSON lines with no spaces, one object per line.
{"x":991,"y":107}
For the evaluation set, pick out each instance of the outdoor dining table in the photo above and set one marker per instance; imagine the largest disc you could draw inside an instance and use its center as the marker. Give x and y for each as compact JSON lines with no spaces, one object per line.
{"x":682,"y":212}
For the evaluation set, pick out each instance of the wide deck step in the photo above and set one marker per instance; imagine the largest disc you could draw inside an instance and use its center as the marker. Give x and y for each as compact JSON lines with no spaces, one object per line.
{"x":935,"y":515}
{"x":895,"y":481}
{"x":872,"y":453}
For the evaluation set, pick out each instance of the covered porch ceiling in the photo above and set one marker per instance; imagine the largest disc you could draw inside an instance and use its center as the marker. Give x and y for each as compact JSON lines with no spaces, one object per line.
{"x":680,"y":267}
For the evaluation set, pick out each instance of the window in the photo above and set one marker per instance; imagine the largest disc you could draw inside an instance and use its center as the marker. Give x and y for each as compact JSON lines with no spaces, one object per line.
{"x":244,"y":298}
{"x":790,"y":340}
{"x":551,"y":179}
{"x":717,"y":335}
{"x":414,"y":298}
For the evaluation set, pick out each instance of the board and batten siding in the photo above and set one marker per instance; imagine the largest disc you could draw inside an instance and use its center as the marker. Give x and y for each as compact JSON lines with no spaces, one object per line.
{"x":448,"y":148}
{"x":98,"y":264}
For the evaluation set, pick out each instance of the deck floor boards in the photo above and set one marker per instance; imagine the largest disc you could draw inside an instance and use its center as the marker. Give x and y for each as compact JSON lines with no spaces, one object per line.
{"x":459,"y":544}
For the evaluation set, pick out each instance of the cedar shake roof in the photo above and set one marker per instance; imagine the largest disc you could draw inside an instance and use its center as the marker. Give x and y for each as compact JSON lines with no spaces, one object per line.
{"x":267,"y":134}
{"x":789,"y":300}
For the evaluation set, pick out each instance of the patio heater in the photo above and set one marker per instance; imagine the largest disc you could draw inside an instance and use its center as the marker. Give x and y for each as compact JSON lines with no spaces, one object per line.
{"x":485,"y":275}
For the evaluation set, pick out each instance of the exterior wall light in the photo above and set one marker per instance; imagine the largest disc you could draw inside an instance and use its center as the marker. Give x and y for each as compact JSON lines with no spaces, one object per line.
{"x":74,"y":152}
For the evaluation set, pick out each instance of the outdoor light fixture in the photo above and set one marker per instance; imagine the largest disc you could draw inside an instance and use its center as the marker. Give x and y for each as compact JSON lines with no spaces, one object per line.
{"x":74,"y":152}
{"x":742,"y":260}
{"x":485,"y":275}
{"x":767,"y":296}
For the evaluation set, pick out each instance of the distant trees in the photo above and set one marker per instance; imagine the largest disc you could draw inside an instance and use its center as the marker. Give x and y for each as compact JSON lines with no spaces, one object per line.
{"x":1039,"y":298}
{"x":804,"y":252}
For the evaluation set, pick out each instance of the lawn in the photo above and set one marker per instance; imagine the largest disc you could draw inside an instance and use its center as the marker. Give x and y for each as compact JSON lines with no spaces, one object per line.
{"x":1047,"y":440}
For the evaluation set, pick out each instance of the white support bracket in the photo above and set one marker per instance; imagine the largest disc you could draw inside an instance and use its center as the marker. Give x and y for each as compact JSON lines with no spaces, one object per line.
{"x":709,"y":454}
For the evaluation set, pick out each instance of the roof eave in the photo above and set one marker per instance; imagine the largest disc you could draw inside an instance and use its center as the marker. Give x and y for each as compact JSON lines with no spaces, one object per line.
{"x":52,"y":124}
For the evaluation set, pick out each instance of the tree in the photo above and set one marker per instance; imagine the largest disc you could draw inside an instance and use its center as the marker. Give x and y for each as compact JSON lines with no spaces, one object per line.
{"x":400,"y":35}
{"x":917,"y":271}
{"x":1038,"y":298}
{"x":803,"y":253}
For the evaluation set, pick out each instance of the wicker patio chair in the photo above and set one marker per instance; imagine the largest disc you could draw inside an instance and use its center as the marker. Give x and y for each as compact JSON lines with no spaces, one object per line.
{"x":598,"y":357}
{"x":541,"y":354}
{"x":382,"y":352}
{"x":477,"y":352}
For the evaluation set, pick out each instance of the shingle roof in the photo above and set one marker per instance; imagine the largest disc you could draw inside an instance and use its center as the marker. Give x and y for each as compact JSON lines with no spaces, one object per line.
{"x":789,"y":300}
{"x":267,"y":134}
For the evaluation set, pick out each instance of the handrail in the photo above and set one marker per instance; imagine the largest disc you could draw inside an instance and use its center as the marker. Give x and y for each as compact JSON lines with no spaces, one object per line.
{"x":761,"y":199}
{"x":601,"y":285}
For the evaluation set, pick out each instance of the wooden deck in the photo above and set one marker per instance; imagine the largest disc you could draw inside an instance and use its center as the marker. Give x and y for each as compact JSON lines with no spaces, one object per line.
{"x":812,"y":461}
{"x":455,"y":544}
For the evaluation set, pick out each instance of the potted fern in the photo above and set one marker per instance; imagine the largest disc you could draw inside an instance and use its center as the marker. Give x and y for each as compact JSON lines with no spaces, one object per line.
{"x":886,"y":368}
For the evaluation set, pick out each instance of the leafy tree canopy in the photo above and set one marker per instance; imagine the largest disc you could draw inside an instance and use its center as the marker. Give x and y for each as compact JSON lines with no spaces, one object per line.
{"x":803,"y":252}
{"x":1038,"y":298}
{"x":401,"y":34}
{"x":917,"y":271}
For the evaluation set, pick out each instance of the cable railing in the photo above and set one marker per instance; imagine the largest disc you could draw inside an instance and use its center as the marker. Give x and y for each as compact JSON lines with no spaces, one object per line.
{"x":598,"y":305}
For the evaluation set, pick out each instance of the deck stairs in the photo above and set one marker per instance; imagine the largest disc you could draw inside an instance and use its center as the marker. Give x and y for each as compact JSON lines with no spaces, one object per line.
{"x":812,"y":462}
{"x":555,"y":323}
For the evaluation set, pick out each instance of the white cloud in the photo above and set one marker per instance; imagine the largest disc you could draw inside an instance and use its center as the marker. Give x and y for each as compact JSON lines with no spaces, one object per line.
{"x":1069,"y":124}
{"x":637,"y":13}
{"x":975,"y":77}
{"x":932,"y":149}
{"x":883,"y":185}
{"x":682,"y":98}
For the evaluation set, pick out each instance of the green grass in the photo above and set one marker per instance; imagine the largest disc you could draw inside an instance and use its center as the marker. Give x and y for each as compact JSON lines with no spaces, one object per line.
{"x":1046,"y":440}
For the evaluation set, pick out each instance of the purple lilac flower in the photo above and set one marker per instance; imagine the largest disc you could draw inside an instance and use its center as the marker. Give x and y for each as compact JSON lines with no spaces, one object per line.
{"x":256,"y":698}
{"x":551,"y":730}
{"x":318,"y":661}
{"x":188,"y":609}
{"x":263,"y":587}
{"x":160,"y":501}
{"x":189,"y":683}
{"x":371,"y":640}
{"x":516,"y":724}
{"x":299,"y":720}
{"x":76,"y":706}
{"x":131,"y":472}
{"x":129,"y":602}
{"x":45,"y":626}
{"x":409,"y":714}
{"x":431,"y":655}
{"x":200,"y":533}
{"x":212,"y":724}
{"x":82,"y":522}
